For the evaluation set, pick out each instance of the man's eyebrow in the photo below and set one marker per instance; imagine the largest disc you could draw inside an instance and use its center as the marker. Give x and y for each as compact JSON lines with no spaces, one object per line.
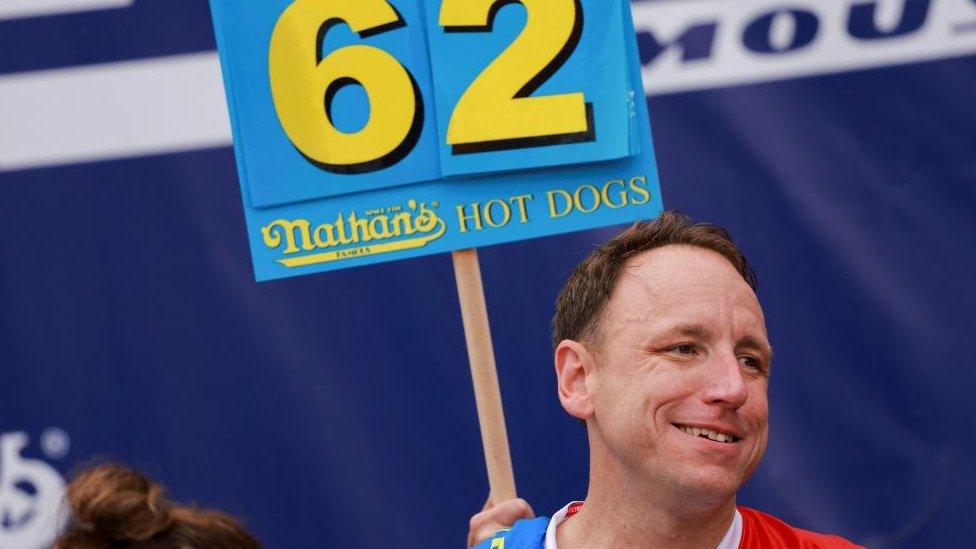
{"x":689,"y":330}
{"x":757,"y":343}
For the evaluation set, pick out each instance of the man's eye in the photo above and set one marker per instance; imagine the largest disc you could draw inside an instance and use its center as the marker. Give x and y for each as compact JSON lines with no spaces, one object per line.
{"x":750,"y":362}
{"x":685,"y":349}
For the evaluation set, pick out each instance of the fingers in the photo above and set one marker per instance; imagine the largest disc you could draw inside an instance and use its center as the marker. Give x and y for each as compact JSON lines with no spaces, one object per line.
{"x":496,"y":517}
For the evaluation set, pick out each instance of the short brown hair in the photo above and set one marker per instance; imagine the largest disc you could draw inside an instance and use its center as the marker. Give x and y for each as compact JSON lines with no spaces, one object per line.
{"x":115,"y":507}
{"x":588,"y":289}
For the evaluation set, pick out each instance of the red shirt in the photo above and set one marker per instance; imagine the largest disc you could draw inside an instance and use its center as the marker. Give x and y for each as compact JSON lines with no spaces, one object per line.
{"x":762,"y":531}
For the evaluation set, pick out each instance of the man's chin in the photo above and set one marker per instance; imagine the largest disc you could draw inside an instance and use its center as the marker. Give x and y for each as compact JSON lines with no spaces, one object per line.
{"x":705,"y":485}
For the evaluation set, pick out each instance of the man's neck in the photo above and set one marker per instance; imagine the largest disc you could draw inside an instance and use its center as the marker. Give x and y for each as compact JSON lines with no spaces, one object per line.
{"x":627,"y":516}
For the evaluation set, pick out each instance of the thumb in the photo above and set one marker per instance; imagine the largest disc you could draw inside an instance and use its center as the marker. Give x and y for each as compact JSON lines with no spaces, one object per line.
{"x":497,"y":517}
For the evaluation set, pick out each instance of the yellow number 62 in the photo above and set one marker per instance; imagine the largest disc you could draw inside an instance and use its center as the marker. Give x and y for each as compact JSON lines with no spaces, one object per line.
{"x":495,"y":112}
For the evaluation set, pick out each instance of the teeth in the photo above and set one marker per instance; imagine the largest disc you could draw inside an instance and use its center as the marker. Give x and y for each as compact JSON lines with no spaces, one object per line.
{"x":707,"y":433}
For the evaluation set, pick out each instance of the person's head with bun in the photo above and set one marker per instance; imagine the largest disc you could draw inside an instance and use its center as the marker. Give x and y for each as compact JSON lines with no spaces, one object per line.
{"x":115,"y":507}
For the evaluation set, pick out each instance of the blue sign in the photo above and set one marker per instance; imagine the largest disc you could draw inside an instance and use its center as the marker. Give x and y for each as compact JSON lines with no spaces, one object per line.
{"x":380,"y":130}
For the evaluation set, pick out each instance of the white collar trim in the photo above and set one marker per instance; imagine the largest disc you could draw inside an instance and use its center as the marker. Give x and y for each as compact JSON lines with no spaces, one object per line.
{"x":730,"y":541}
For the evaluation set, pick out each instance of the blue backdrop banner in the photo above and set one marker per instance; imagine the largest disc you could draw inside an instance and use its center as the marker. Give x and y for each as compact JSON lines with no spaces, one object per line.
{"x":834,"y":139}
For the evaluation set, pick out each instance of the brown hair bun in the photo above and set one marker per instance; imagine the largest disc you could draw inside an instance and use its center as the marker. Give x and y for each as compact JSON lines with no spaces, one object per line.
{"x":118,"y":504}
{"x":115,"y":507}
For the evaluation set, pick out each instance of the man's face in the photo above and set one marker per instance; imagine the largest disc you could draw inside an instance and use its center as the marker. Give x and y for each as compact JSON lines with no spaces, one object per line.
{"x":682,"y":364}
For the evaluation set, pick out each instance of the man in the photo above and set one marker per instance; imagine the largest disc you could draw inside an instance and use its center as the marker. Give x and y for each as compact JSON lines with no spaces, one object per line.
{"x":661,"y":350}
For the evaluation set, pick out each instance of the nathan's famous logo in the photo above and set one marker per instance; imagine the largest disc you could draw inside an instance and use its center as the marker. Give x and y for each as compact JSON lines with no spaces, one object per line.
{"x":390,"y":229}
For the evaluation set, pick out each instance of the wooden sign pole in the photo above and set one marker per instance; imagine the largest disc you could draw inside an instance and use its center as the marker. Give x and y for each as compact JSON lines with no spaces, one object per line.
{"x":481,"y":356}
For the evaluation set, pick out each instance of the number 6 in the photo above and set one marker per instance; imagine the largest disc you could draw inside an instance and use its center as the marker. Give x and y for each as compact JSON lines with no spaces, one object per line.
{"x":302,"y":86}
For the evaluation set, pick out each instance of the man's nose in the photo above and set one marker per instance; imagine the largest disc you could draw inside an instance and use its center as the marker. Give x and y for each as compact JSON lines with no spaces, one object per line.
{"x":726,"y":384}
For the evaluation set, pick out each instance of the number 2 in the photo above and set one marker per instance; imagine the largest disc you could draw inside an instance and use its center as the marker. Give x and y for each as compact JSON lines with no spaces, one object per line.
{"x":496,"y":112}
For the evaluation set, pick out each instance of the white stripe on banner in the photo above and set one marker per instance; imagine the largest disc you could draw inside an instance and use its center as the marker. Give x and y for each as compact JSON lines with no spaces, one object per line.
{"x":113,"y":110}
{"x":13,"y":9}
{"x":713,"y":43}
{"x":176,"y":103}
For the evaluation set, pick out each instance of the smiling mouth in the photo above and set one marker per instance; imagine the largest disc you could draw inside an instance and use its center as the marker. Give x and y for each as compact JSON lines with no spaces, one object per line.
{"x":701,"y":432}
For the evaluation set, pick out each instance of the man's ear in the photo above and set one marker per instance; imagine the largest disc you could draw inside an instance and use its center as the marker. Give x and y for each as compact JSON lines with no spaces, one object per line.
{"x":573,"y":364}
